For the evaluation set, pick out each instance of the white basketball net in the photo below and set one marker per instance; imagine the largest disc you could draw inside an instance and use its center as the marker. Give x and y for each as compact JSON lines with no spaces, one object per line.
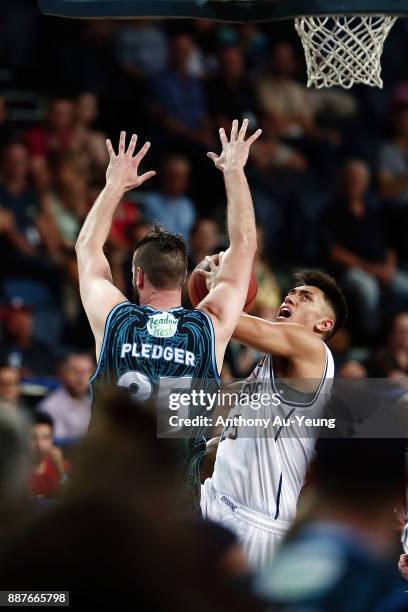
{"x":344,"y":50}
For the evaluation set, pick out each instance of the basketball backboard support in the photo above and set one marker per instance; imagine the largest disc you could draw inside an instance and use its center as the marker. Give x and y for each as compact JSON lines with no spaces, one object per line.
{"x":239,"y":11}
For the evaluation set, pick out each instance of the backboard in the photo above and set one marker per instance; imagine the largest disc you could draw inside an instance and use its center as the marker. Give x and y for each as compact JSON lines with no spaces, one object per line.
{"x":220,"y":10}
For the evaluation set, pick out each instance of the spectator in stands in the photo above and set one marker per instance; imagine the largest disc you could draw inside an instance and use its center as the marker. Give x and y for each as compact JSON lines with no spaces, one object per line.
{"x":46,"y":141}
{"x":18,"y":197}
{"x":70,"y":405}
{"x":170,"y":206}
{"x":26,"y":240}
{"x":360,"y":249}
{"x":293,"y":111}
{"x":274,"y":157}
{"x":87,"y":143}
{"x":276,"y":173}
{"x":254,"y":43}
{"x":179,"y":104}
{"x":393,"y":160}
{"x":286,"y":101}
{"x":10,"y":387}
{"x":393,"y":178}
{"x":204,"y":240}
{"x":231,"y":94}
{"x":28,"y":230}
{"x":10,"y":237}
{"x":392,"y":359}
{"x":352,"y":369}
{"x":141,"y":48}
{"x":67,"y":201}
{"x":349,"y":534}
{"x":20,"y":348}
{"x":268,"y":297}
{"x":49,"y":469}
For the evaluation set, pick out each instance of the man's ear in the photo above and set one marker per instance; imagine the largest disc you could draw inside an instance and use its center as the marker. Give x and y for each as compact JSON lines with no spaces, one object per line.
{"x":139,"y":280}
{"x":324,"y":326}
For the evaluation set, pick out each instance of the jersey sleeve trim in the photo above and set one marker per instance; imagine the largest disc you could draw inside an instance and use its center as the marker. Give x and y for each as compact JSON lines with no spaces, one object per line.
{"x":105,"y":337}
{"x":299,"y":404}
{"x":213,"y":356}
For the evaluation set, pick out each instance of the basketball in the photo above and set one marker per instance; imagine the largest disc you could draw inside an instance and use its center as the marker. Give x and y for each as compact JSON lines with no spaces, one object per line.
{"x":197,"y":288}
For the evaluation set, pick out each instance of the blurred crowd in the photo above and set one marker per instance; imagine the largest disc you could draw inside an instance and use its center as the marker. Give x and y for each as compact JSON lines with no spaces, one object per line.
{"x":119,"y":536}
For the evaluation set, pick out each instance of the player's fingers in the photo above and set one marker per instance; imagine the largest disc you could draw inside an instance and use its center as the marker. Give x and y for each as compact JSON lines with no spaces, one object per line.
{"x":122,"y":141}
{"x":212,"y":156}
{"x":234,"y":130}
{"x":211,"y":263}
{"x":203,"y":273}
{"x":142,"y":152}
{"x":223,"y":137}
{"x":220,"y":256}
{"x":243,"y":129}
{"x":146,"y":176}
{"x":132,"y":145}
{"x":110,"y":148}
{"x":254,"y":137}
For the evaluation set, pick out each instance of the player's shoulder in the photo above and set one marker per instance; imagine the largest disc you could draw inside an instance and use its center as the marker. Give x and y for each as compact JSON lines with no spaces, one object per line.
{"x":125,"y":311}
{"x":197,"y":315}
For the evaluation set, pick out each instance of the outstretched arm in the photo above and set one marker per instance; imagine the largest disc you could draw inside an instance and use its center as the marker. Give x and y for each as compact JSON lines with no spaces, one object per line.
{"x":98,"y":293}
{"x":288,"y":340}
{"x":226,"y":300}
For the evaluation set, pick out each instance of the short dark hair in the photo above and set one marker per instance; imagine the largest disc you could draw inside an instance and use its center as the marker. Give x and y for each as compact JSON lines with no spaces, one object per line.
{"x":42,"y":418}
{"x":163,"y":257}
{"x":332,"y":293}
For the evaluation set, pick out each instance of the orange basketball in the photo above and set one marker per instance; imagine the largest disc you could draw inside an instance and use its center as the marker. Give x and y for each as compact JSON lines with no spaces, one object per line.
{"x":197,"y":289}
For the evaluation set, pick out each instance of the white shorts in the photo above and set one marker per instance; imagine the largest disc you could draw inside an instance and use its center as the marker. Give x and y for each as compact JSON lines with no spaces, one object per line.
{"x":259,"y":535}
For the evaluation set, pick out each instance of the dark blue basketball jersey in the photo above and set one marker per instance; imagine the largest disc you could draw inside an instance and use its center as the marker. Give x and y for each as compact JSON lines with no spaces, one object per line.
{"x":142,"y":347}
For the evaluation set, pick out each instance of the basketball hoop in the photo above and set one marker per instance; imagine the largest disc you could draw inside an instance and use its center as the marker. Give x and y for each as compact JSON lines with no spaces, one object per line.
{"x":343,"y":40}
{"x":344,"y":50}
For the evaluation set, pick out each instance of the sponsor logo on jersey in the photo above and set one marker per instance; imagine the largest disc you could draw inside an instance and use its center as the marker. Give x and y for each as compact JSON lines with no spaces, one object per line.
{"x":229,"y":503}
{"x":162,"y":325}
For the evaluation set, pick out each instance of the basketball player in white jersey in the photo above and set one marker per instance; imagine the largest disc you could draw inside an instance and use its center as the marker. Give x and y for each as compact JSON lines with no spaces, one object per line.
{"x":259,"y":474}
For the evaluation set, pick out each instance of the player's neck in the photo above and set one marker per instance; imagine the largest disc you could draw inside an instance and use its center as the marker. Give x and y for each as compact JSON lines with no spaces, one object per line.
{"x":161,"y":300}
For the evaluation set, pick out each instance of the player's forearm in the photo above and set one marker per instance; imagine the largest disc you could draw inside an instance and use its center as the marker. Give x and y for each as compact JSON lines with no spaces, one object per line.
{"x":263,"y":336}
{"x":96,"y":228}
{"x":240,"y":215}
{"x":246,"y":331}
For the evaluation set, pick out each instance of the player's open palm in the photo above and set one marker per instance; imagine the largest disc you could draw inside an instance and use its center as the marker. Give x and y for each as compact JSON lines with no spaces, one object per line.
{"x":235,"y":151}
{"x":123,"y":169}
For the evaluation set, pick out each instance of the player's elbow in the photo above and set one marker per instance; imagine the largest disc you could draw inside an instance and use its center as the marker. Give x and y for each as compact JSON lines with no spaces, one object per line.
{"x":247,"y":244}
{"x":80,"y":245}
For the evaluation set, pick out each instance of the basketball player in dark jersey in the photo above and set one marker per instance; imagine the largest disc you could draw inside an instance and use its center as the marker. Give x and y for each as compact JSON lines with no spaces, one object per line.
{"x":139,"y":345}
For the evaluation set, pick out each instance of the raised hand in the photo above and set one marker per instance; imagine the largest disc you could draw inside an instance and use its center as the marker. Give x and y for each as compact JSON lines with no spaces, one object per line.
{"x":213,"y":264}
{"x":123,"y":167}
{"x":235,"y":151}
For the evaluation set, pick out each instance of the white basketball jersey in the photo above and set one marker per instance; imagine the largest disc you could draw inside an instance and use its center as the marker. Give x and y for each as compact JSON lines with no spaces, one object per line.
{"x":263,"y":469}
